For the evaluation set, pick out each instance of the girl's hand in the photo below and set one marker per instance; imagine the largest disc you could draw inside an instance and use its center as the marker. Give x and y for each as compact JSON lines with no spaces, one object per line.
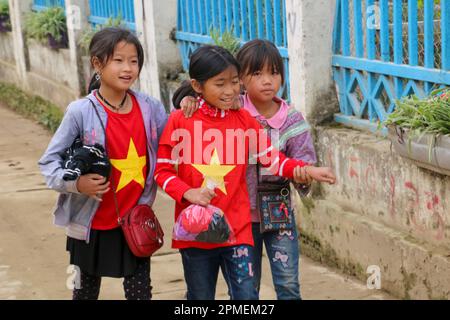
{"x":201,"y":196}
{"x":320,"y":174}
{"x":189,"y":105}
{"x":300,"y":176}
{"x":93,"y":185}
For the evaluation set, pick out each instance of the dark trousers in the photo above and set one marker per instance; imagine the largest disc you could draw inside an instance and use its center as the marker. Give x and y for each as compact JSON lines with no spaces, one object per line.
{"x":136,"y":287}
{"x":201,"y":269}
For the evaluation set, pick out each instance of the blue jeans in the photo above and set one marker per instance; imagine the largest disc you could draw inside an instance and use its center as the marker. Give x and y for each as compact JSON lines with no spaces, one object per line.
{"x":201,"y":268}
{"x":283,"y":252}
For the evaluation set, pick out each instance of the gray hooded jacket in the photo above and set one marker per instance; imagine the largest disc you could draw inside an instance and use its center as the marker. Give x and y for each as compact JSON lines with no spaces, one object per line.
{"x":75,"y":211}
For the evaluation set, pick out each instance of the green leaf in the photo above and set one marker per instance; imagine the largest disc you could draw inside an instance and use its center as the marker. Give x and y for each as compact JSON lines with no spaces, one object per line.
{"x":226,"y":40}
{"x":51,"y":21}
{"x":86,"y":37}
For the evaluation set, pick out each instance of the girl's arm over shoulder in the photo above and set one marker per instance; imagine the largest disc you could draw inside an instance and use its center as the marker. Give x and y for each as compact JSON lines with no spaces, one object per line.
{"x":51,"y":162}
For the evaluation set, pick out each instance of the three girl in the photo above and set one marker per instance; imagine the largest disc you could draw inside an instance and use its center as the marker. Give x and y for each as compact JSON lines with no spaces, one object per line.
{"x":86,"y":206}
{"x":193,"y":170}
{"x":203,"y":160}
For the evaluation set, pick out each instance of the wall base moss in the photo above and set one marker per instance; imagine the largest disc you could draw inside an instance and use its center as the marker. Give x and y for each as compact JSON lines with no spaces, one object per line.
{"x":32,"y":107}
{"x":312,"y":247}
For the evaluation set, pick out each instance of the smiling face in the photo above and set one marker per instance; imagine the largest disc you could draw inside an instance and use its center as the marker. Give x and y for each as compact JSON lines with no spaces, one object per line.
{"x":221,"y":90}
{"x":263,"y":85}
{"x":122,"y":68}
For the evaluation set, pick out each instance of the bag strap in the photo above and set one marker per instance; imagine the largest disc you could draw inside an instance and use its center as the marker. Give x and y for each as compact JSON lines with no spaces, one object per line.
{"x":258,"y":169}
{"x":258,"y":165}
{"x":116,"y":204}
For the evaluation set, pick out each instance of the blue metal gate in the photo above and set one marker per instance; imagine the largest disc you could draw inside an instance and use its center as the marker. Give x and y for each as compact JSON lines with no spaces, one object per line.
{"x":385,"y":50}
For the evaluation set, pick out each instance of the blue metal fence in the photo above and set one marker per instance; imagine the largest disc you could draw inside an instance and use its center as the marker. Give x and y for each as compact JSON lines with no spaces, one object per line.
{"x":40,"y":5}
{"x":102,"y":10}
{"x":378,"y":58}
{"x":247,"y":19}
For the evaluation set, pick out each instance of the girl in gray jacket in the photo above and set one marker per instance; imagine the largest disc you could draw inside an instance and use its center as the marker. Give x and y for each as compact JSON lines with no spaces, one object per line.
{"x":85,"y":207}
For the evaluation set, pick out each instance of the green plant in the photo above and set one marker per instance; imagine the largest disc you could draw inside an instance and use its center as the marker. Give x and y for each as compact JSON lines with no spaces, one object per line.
{"x":36,"y":108}
{"x":5,"y":21}
{"x":423,"y":116}
{"x":86,"y":36}
{"x":226,"y":40}
{"x":421,"y":5}
{"x":430,"y":115}
{"x":4,"y":8}
{"x":50,"y":22}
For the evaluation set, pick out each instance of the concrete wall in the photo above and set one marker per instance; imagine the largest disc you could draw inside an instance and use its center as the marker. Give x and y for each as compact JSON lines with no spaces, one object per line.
{"x":6,"y":54}
{"x":154,"y":25}
{"x":309,"y":26}
{"x":384,"y":211}
{"x":52,"y":71}
{"x":8,"y":67}
{"x":165,"y":22}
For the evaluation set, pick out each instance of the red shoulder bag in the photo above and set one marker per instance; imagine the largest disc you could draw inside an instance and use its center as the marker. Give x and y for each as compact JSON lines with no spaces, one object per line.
{"x":140,"y":226}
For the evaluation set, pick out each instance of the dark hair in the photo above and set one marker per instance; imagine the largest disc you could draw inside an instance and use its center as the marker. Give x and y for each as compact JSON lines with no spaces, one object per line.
{"x":255,"y":54}
{"x":103,"y":44}
{"x":206,"y":62}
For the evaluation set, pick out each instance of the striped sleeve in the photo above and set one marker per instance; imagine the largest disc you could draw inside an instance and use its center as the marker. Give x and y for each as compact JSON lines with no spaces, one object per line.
{"x":297,"y":139}
{"x":270,"y":157}
{"x":165,"y":173}
{"x":299,"y":145}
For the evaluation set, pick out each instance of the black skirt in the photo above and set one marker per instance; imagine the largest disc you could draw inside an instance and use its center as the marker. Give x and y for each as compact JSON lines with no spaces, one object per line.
{"x":106,"y":255}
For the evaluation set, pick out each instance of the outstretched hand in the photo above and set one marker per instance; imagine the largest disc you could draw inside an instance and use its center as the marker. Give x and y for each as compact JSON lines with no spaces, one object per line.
{"x":320,"y":174}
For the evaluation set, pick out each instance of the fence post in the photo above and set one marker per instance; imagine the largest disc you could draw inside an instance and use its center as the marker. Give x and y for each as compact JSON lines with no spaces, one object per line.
{"x":309,"y":32}
{"x":155,"y":21}
{"x":17,"y":10}
{"x":77,"y":12}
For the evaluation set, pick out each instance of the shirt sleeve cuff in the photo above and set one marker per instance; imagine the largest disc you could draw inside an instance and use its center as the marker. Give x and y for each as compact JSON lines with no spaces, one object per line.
{"x":71,"y":186}
{"x":180,"y":197}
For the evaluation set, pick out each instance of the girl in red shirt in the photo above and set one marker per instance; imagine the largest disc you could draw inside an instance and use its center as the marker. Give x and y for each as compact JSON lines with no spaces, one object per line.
{"x":203,"y":160}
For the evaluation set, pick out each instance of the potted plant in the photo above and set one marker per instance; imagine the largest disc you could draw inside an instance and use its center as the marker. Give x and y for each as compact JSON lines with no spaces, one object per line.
{"x":48,"y":27}
{"x":5,"y":21}
{"x":420,"y":130}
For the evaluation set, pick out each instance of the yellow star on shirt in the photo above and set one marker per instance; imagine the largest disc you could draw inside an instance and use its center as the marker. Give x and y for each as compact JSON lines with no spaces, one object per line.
{"x":214,"y":173}
{"x":130,"y":168}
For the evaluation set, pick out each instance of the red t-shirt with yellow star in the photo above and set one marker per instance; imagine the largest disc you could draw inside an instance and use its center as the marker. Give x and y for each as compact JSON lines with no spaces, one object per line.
{"x":212,"y":149}
{"x":126,"y":145}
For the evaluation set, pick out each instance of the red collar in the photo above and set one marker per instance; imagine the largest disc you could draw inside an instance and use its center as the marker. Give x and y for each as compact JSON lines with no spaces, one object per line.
{"x":210,"y":110}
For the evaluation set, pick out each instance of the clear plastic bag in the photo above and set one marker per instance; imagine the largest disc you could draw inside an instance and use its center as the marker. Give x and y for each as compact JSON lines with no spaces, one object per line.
{"x":203,"y":224}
